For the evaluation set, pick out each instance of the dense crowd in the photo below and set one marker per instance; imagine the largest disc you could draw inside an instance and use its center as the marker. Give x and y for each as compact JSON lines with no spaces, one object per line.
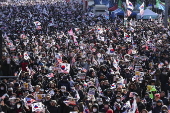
{"x":68,"y":60}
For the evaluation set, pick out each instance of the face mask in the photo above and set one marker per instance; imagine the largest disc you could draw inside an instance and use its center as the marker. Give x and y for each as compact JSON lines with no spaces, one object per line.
{"x":63,"y":90}
{"x":140,"y":81}
{"x":146,"y":96}
{"x":94,"y":110}
{"x":2,"y":88}
{"x":18,"y":106}
{"x":118,"y":100}
{"x":100,"y":103}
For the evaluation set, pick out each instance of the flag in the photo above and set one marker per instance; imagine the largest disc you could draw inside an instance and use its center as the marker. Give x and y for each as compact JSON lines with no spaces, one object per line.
{"x":110,"y":51}
{"x":37,"y":106}
{"x":94,"y":61}
{"x":129,"y":5}
{"x":64,"y":68}
{"x":58,"y":57}
{"x":26,"y":57}
{"x":50,"y":75}
{"x":113,"y":86}
{"x":134,"y":106}
{"x":28,"y":101}
{"x":113,"y":8}
{"x":70,"y":32}
{"x":160,"y":5}
{"x":38,"y":27}
{"x":37,"y":23}
{"x":121,"y":5}
{"x":115,"y":64}
{"x":45,"y":11}
{"x":75,"y":41}
{"x":142,"y":9}
{"x":23,"y":36}
{"x":139,"y":2}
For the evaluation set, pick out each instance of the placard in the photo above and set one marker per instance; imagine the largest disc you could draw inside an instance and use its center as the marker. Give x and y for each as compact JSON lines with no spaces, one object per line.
{"x":39,"y":97}
{"x":91,"y":91}
{"x":82,"y":76}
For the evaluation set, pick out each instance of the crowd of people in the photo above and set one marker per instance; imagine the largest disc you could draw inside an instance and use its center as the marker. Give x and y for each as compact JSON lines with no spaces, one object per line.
{"x":67,"y":60}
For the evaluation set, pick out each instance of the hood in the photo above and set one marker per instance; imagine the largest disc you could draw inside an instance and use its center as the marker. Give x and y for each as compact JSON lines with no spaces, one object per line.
{"x":19,"y":103}
{"x":96,"y":106}
{"x":5,"y":87}
{"x":164,"y":107}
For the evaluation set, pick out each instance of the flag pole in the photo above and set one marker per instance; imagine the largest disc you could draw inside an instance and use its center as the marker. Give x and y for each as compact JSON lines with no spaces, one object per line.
{"x":166,"y":13}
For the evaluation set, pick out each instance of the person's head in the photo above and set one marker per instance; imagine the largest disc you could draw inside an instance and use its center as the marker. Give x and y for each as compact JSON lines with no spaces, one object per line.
{"x":48,"y":97}
{"x":11,"y":84}
{"x":162,"y":94}
{"x":63,"y":89}
{"x":138,"y":99}
{"x":94,"y":109}
{"x":52,"y":84}
{"x":53,"y":102}
{"x":146,"y":95}
{"x":100,"y":101}
{"x":118,"y":93}
{"x":152,"y":82}
{"x":18,"y":105}
{"x":41,"y":91}
{"x":119,"y":89}
{"x":118,"y":98}
{"x":104,"y":69}
{"x":164,"y":109}
{"x":76,"y":108}
{"x":109,"y":91}
{"x":144,"y":111}
{"x":37,"y":88}
{"x":106,"y":106}
{"x":64,"y":78}
{"x":76,"y":86}
{"x":39,"y":77}
{"x":159,"y":103}
{"x":132,"y":86}
{"x":2,"y":88}
{"x":106,"y":82}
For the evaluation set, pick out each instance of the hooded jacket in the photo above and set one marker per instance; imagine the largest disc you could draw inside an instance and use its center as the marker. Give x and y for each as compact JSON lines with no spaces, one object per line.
{"x":20,"y":109}
{"x":3,"y":91}
{"x":95,"y":106}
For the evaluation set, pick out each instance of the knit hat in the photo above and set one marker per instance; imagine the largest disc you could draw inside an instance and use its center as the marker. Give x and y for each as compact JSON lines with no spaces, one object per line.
{"x":109,"y":111}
